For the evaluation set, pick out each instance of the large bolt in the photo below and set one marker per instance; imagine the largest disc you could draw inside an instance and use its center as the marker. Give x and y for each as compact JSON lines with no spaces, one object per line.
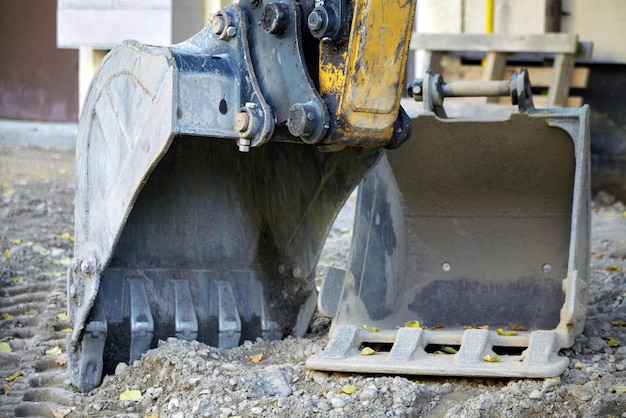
{"x":275,"y":18}
{"x":316,"y":20}
{"x":248,"y":121}
{"x":218,"y":23}
{"x":242,"y":120}
{"x":302,"y":119}
{"x":323,"y":22}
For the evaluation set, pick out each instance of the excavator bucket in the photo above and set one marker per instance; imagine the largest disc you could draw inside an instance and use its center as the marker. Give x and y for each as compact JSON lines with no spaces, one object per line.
{"x":470,"y":244}
{"x":209,"y":173}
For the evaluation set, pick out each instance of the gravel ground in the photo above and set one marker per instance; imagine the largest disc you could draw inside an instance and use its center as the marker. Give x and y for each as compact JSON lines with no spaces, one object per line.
{"x":260,"y":378}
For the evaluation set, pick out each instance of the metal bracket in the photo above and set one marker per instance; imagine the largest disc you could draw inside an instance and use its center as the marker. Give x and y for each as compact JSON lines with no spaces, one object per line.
{"x":432,"y":90}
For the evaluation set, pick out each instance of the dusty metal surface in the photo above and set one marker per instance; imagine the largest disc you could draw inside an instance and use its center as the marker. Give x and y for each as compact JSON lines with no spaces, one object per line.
{"x":471,"y":223}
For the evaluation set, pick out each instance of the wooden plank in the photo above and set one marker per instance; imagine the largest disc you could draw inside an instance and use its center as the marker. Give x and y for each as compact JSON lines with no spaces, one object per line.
{"x":495,"y":65}
{"x":539,"y":76}
{"x":559,"y":86}
{"x":549,"y":43}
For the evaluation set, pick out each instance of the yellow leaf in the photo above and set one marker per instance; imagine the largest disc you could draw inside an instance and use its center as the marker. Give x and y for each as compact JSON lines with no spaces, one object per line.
{"x":153,"y":415}
{"x":256,"y":358}
{"x":612,"y":342}
{"x":55,"y":273}
{"x":370,"y":329}
{"x":483,"y":327}
{"x":5,"y":347}
{"x":55,"y":351}
{"x":412,"y":324}
{"x":490,"y":359}
{"x":613,"y":268}
{"x":41,"y":250}
{"x":62,"y":316}
{"x":7,"y":253}
{"x":618,"y":389}
{"x":17,"y":241}
{"x":130,"y":395}
{"x":66,"y":237}
{"x":449,"y":350}
{"x":347,"y":389}
{"x":62,"y":170}
{"x":7,"y":316}
{"x":5,"y":184}
{"x":67,"y":330}
{"x":367,"y":351}
{"x":17,"y":279}
{"x":13,"y":377}
{"x":438,"y":325}
{"x":500,"y":331}
{"x":619,"y":323}
{"x":509,"y":333}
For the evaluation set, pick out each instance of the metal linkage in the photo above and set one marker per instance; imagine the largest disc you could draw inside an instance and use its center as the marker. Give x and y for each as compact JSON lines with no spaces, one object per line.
{"x":432,"y":90}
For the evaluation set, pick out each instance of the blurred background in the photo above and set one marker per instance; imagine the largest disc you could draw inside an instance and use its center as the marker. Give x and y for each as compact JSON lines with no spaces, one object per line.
{"x":49,"y":50}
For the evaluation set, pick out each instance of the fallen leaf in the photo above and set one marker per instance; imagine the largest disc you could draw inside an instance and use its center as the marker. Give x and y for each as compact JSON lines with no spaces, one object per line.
{"x":55,"y":273}
{"x":596,"y":255}
{"x":412,"y":324}
{"x":5,"y":347}
{"x":370,"y":329}
{"x":612,"y":342}
{"x":500,"y":331}
{"x":13,"y":377}
{"x":41,"y":250}
{"x":449,"y":350}
{"x":516,"y":327}
{"x":7,"y":315}
{"x":367,"y":351}
{"x":62,"y":170}
{"x":438,"y":325}
{"x":66,"y":237}
{"x":55,"y":351}
{"x":256,"y":358}
{"x":619,"y":323}
{"x":490,"y":359}
{"x":153,"y":415}
{"x":618,"y":389}
{"x":7,"y":254}
{"x":483,"y":327}
{"x":31,"y":311}
{"x":62,"y":316}
{"x":613,"y":268}
{"x":130,"y":395}
{"x":61,"y":411}
{"x":17,"y":241}
{"x":17,"y":279}
{"x":347,"y":389}
{"x":60,"y":359}
{"x":66,"y":330}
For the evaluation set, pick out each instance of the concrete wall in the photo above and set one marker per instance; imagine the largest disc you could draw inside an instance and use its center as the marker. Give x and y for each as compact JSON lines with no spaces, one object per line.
{"x":37,"y":80}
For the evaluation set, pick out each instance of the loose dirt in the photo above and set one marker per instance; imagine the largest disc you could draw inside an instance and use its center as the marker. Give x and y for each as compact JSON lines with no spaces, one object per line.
{"x":260,"y":378}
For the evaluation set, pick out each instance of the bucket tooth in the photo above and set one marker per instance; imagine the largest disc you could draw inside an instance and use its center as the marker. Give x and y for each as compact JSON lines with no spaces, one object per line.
{"x":330,"y":291}
{"x":186,"y":321}
{"x":476,"y":344}
{"x":228,"y":320}
{"x":409,"y":345}
{"x":141,"y":322}
{"x":90,"y":364}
